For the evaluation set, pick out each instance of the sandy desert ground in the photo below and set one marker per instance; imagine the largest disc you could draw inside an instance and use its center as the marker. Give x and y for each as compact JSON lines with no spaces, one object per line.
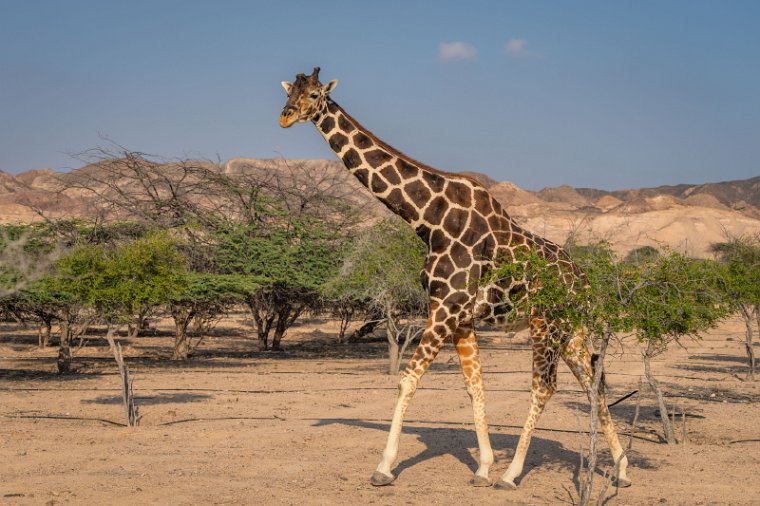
{"x":307,"y":426}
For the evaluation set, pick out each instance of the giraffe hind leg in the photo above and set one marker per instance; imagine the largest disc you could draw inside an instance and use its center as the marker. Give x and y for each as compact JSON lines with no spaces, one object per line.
{"x":543,"y":386}
{"x":578,"y":357}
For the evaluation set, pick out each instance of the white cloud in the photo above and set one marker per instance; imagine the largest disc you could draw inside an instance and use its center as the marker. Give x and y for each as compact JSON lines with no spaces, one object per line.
{"x":450,"y":51}
{"x":516,"y":48}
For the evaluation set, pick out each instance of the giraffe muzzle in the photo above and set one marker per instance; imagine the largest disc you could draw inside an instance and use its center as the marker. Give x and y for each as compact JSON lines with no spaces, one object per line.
{"x":288,"y":116}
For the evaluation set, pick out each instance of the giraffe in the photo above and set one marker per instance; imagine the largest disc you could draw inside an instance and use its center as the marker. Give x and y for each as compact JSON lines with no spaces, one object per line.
{"x":467,"y":232}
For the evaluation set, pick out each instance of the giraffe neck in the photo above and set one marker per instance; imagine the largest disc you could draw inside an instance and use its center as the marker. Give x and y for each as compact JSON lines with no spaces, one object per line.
{"x":418,"y":194}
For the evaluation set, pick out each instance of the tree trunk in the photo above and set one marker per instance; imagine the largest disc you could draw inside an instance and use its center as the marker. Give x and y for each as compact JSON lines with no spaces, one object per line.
{"x":392,"y":336}
{"x":263,"y":322}
{"x":44,"y":331}
{"x":140,"y":324}
{"x":64,"y":349}
{"x":127,"y":392}
{"x":345,"y":316}
{"x":597,"y":386}
{"x":181,"y":346}
{"x":393,"y":358}
{"x":182,"y":318}
{"x":747,"y":317}
{"x":667,"y":426}
{"x":280,"y":328}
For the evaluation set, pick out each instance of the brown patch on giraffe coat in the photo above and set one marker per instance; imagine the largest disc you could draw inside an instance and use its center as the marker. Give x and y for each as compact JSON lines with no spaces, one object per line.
{"x":478,"y":227}
{"x":435,"y":181}
{"x":327,"y":125}
{"x":378,"y":184}
{"x":485,"y":248}
{"x":444,"y":268}
{"x":398,"y":204}
{"x":438,"y":289}
{"x":418,"y":192}
{"x":483,"y":202}
{"x":459,"y":193}
{"x":352,"y":159}
{"x":423,"y":232}
{"x":338,"y":141}
{"x":362,"y":141}
{"x":425,"y":281}
{"x":362,"y":175}
{"x":345,"y":125}
{"x":376,"y":157}
{"x":459,"y":280}
{"x":474,"y":275}
{"x":496,"y":222}
{"x":435,"y":210}
{"x":518,"y":239}
{"x":390,"y":175}
{"x":455,"y":222}
{"x":405,"y":169}
{"x":439,"y":241}
{"x":460,"y":255}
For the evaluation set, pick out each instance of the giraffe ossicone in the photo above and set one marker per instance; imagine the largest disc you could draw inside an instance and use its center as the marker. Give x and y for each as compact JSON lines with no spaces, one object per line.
{"x":467,"y":231}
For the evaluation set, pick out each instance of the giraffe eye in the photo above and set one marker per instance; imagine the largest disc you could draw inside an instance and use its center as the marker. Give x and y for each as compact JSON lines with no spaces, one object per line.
{"x":314,"y":95}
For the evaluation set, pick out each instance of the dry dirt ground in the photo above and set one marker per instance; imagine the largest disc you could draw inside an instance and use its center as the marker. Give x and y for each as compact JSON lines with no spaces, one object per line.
{"x":307,"y":426}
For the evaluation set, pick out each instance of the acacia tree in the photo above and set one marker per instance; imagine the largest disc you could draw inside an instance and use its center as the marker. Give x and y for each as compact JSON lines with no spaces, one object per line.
{"x":592,"y":302}
{"x":660,"y":297}
{"x":381,"y":271}
{"x":205,"y":296}
{"x":27,"y":253}
{"x":671,"y":297}
{"x":290,"y":261}
{"x":741,"y":281}
{"x":275,"y":221}
{"x":110,"y":283}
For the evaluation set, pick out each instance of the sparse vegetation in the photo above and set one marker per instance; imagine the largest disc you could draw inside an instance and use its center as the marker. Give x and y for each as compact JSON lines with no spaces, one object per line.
{"x":216,"y":243}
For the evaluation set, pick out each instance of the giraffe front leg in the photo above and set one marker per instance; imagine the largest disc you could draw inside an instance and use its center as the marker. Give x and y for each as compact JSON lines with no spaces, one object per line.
{"x":469,"y":359}
{"x":430,"y":344}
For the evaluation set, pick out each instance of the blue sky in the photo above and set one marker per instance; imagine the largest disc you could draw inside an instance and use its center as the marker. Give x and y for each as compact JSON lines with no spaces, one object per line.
{"x":603,"y":94}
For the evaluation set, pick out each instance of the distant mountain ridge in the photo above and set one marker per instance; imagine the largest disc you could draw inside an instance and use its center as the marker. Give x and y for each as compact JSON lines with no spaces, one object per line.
{"x":686,"y":216}
{"x":732,"y":194}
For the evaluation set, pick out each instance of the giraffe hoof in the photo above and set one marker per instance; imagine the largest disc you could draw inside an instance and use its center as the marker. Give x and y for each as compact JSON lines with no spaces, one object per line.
{"x":505,"y":485}
{"x":380,"y":480}
{"x":479,"y":481}
{"x":622,"y":482}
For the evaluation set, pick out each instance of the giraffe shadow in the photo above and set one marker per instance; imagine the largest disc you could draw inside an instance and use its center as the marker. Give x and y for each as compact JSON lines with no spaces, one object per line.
{"x":461,"y":443}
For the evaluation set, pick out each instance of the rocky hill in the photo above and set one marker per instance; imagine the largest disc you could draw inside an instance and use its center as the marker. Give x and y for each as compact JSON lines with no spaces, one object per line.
{"x":687,"y":217}
{"x":743,"y":195}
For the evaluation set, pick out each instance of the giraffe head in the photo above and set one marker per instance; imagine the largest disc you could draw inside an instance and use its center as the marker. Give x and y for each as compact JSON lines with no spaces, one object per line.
{"x":307,"y":97}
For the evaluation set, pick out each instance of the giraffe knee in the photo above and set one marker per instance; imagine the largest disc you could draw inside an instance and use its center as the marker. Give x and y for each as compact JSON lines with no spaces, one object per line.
{"x":407,"y":385}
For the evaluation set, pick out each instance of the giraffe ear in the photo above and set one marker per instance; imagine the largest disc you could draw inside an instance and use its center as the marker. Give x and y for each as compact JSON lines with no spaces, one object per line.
{"x":331,"y":86}
{"x":287,"y":86}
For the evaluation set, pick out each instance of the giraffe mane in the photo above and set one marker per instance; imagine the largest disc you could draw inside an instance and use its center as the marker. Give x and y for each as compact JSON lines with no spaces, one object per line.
{"x":395,"y":152}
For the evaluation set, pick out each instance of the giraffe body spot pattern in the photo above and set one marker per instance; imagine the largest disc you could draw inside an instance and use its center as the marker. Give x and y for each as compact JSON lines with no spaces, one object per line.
{"x":468,"y":233}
